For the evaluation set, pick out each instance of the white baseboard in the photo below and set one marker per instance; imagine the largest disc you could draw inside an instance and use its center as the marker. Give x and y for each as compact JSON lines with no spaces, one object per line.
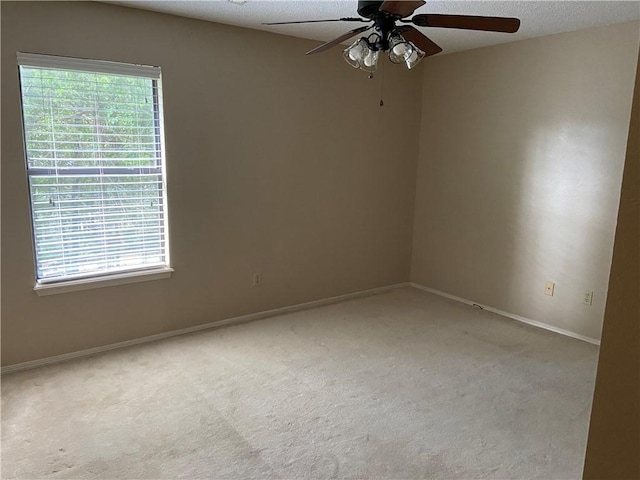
{"x":228,"y":321}
{"x":528,"y":321}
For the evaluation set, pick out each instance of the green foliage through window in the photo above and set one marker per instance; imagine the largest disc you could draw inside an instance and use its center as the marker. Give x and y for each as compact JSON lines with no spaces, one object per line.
{"x":94,"y":162}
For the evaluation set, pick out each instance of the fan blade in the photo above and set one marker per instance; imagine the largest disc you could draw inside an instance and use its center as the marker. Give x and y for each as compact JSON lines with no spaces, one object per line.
{"x":468,"y":22}
{"x":346,"y":19}
{"x":419,"y":40}
{"x":401,"y":8}
{"x":336,"y":41}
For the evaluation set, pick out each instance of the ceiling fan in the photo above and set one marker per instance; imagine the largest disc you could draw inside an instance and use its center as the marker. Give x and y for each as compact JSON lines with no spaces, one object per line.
{"x":405,"y":43}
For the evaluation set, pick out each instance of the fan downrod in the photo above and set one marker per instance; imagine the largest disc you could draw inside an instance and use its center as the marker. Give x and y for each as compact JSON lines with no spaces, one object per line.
{"x":384,"y":22}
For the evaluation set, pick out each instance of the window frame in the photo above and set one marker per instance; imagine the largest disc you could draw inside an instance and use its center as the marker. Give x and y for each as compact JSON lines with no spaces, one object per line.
{"x":141,"y":273}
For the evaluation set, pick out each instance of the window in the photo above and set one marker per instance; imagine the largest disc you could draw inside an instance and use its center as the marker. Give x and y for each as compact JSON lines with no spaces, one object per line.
{"x":93,"y":136}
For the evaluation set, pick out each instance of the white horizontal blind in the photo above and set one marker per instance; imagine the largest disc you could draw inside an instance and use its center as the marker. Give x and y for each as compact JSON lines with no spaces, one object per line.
{"x":95,"y":166}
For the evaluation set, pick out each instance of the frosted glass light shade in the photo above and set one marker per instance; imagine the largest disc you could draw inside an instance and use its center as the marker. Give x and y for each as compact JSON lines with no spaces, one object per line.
{"x":400,"y":50}
{"x":415,"y":57}
{"x":354,"y":55}
{"x":359,"y":55}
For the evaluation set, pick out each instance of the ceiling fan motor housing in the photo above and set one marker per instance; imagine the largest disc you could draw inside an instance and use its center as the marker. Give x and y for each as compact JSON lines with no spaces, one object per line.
{"x":368,"y":9}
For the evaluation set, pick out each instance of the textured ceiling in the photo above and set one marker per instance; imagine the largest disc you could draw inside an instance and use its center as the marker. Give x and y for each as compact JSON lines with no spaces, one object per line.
{"x":538,"y":18}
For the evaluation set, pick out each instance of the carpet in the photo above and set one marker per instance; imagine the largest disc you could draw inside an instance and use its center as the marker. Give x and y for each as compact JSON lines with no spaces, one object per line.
{"x":402,"y":384}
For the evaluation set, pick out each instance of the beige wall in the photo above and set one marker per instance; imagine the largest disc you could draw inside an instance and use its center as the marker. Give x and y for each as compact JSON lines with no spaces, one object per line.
{"x":282,"y":164}
{"x":277,"y":163}
{"x":614,"y":432}
{"x":521,"y":154}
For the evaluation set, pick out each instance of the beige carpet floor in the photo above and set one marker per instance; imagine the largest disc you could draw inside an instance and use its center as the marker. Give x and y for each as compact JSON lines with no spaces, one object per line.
{"x":402,"y":384}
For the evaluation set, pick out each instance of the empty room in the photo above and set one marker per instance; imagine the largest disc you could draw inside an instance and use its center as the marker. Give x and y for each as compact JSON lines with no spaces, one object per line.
{"x":320,"y":239}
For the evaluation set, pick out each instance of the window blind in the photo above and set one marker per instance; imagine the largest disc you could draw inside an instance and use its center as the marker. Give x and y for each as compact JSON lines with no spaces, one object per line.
{"x":93,"y":140}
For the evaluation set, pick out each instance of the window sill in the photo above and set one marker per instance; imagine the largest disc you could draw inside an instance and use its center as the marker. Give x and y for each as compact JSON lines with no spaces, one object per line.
{"x":100,"y":282}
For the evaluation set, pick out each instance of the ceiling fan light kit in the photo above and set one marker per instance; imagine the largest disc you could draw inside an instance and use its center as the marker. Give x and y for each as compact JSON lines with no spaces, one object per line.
{"x":360,"y":55}
{"x":363,"y":53}
{"x":405,"y":52}
{"x":405,"y":43}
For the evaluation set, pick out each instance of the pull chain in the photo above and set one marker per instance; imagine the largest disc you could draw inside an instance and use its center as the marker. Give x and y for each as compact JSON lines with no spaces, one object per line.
{"x":381,"y":82}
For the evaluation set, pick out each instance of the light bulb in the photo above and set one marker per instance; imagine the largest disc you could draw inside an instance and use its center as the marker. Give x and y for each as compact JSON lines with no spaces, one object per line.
{"x":400,"y":49}
{"x":369,"y":59}
{"x":355,"y":53}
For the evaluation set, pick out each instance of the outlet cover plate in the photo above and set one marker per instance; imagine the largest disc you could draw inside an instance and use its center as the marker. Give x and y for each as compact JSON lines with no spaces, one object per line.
{"x":548,"y":288}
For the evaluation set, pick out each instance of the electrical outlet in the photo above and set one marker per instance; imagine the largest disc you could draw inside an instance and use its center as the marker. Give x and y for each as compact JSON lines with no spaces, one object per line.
{"x":588,"y":298}
{"x":548,"y":288}
{"x":257,"y":279}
